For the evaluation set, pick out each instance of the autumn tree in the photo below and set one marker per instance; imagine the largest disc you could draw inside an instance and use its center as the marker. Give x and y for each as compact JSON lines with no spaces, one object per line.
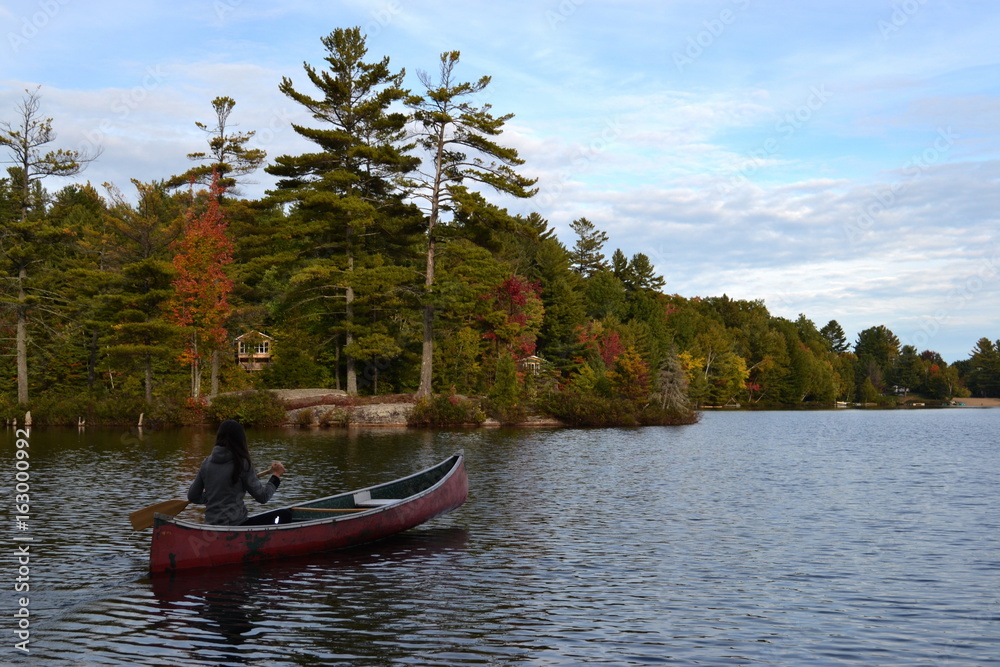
{"x":630,"y":377}
{"x":457,"y":138}
{"x":513,"y":316}
{"x":201,"y":287}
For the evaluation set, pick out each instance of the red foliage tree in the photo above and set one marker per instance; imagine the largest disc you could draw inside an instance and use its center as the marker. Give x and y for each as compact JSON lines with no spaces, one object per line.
{"x":515,"y":315}
{"x":200,"y":302}
{"x":600,"y":342}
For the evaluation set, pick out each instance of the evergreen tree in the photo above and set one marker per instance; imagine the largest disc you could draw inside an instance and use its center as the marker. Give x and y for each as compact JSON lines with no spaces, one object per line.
{"x":620,"y":268}
{"x":457,"y":138}
{"x":984,"y":375}
{"x":563,"y":301}
{"x":834,"y":335}
{"x":910,"y":372}
{"x":877,"y":349}
{"x":228,"y":155}
{"x":27,"y":240}
{"x":135,"y":303}
{"x":605,"y":296}
{"x":643,"y":276}
{"x":347,"y":204}
{"x":586,"y":258}
{"x":82,"y":269}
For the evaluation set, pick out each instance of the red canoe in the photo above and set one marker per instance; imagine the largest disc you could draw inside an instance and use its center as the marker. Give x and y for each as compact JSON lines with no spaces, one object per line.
{"x":333,"y":522}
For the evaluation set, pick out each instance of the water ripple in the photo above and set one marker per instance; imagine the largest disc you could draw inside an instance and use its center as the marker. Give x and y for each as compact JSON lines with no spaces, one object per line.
{"x":750,"y":538}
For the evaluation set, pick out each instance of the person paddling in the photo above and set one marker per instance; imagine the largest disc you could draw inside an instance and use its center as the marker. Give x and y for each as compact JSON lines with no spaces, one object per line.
{"x":227,"y":475}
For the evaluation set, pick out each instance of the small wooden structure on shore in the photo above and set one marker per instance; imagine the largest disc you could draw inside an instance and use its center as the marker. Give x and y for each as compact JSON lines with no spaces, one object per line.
{"x":254,"y":350}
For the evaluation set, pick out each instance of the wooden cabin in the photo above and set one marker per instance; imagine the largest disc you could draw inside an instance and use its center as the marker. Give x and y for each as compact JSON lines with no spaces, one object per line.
{"x":531,"y":364}
{"x":254,"y":350}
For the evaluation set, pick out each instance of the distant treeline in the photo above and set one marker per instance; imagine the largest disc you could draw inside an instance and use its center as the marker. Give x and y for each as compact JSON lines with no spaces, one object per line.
{"x":379,"y":265}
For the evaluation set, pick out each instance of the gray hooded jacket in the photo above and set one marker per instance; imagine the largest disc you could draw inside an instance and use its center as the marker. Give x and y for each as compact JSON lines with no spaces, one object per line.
{"x":223,"y":499}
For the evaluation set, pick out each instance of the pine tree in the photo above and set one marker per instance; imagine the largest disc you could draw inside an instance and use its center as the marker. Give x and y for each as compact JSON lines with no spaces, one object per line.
{"x":834,"y":335}
{"x":984,"y":374}
{"x":28,"y":239}
{"x":141,"y":235}
{"x":228,"y":155}
{"x":643,"y":275}
{"x":348,"y":210}
{"x":877,"y":349}
{"x":81,"y":270}
{"x":586,"y":258}
{"x":563,"y":300}
{"x":457,"y":138}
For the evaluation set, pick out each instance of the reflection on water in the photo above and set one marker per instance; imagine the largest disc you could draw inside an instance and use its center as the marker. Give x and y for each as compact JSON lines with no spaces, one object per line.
{"x":770,"y":538}
{"x":229,"y":605}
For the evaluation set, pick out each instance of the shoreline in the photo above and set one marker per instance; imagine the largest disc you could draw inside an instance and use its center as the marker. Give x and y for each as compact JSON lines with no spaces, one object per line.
{"x":335,"y":408}
{"x":322,"y":408}
{"x":976,"y":402}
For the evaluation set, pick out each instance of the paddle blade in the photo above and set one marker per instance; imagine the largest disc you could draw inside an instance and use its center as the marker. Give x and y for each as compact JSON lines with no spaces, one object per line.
{"x":142,"y":519}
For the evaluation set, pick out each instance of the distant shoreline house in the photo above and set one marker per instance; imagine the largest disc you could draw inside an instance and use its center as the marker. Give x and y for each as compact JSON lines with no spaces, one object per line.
{"x":254,"y":350}
{"x":530,"y":364}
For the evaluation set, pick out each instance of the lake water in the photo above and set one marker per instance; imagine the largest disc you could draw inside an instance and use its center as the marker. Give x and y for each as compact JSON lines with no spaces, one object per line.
{"x":776,"y":538}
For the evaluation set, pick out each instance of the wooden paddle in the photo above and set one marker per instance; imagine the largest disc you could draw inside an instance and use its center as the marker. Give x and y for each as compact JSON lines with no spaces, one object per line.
{"x":143,"y":519}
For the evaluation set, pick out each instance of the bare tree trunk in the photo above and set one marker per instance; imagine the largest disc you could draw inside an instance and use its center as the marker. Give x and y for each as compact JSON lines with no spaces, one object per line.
{"x":352,"y":375}
{"x":92,"y":361}
{"x":195,"y":372}
{"x":336,"y":366}
{"x":216,"y":363}
{"x":22,"y":338}
{"x":427,"y":352}
{"x":149,"y":380}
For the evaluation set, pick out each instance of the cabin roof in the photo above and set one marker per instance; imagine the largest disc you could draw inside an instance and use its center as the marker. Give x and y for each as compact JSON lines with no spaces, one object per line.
{"x":254,"y":333}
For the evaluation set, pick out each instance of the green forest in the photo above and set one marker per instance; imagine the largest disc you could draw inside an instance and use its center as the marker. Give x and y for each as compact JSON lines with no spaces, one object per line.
{"x":381,"y":263}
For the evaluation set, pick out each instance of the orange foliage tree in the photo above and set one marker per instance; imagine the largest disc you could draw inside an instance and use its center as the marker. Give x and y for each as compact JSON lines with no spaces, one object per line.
{"x":200,"y":303}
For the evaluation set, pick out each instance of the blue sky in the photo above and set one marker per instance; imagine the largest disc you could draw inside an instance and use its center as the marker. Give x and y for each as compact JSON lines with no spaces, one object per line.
{"x":836,"y":159}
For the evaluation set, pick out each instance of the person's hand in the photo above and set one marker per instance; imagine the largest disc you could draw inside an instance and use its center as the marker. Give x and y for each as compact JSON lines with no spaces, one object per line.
{"x":277,"y":469}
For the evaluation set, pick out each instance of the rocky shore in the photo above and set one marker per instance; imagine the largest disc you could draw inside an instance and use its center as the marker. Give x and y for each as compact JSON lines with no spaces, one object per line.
{"x":334,"y":407}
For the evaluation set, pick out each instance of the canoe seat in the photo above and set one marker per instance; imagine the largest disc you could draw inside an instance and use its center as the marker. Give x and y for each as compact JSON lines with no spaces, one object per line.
{"x":377,"y":502}
{"x":364,"y":499}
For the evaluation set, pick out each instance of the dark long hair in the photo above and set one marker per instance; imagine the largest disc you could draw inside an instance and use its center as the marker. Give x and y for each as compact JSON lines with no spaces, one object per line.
{"x":232,"y":436}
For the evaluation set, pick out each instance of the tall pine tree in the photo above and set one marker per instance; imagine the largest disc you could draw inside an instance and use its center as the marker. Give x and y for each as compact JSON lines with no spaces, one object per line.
{"x":586,"y":256}
{"x":457,"y":138}
{"x":228,"y":154}
{"x":347,"y":208}
{"x":29,"y":239}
